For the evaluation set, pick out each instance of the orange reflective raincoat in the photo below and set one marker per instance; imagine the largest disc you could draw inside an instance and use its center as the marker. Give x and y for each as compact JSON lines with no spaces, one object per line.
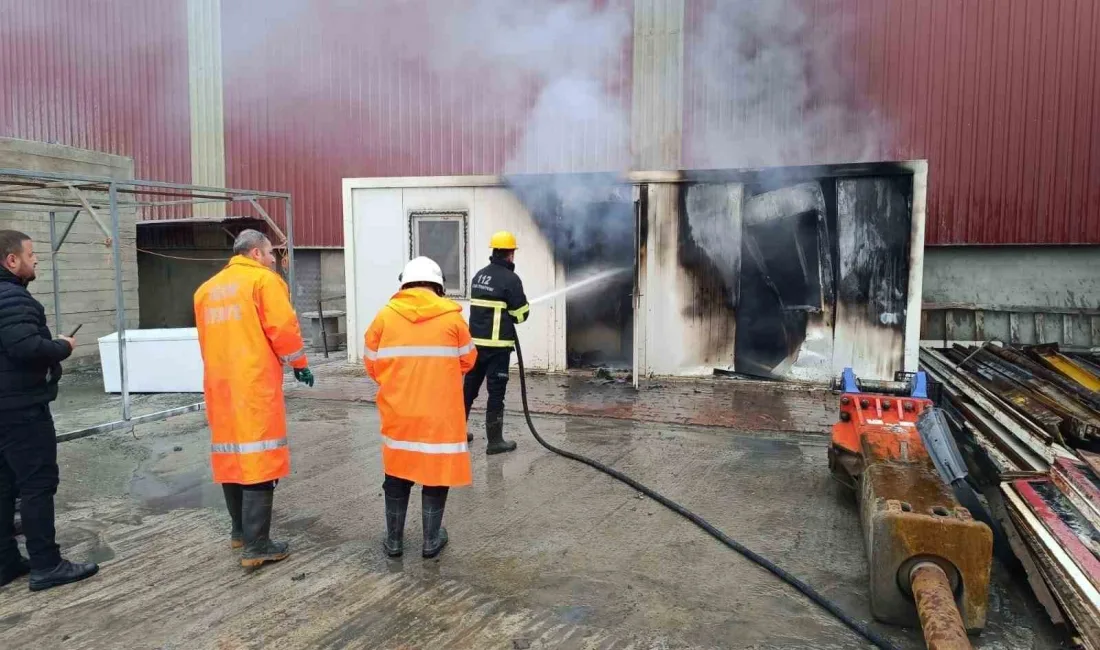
{"x":247,"y":331}
{"x":417,"y":349}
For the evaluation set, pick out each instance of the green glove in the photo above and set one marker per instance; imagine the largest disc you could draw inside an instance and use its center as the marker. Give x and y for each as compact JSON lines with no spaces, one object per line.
{"x":305,"y":376}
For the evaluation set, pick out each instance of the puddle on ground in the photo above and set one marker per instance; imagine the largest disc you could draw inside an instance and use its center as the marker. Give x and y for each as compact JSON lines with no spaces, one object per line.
{"x":163,"y":494}
{"x":575,"y":614}
{"x":100,"y":553}
{"x":318,"y":529}
{"x":326,"y":413}
{"x":300,"y":524}
{"x":9,"y":622}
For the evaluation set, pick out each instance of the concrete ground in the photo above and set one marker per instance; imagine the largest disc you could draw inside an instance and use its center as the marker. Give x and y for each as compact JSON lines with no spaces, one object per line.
{"x":733,"y":404}
{"x":545,"y":553}
{"x":82,"y":403}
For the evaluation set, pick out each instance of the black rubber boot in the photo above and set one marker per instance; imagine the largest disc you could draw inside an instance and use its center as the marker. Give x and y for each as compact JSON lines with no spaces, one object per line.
{"x":494,"y":431}
{"x":13,"y":572}
{"x":396,"y":509}
{"x":62,"y":574}
{"x":233,"y":495}
{"x":256,"y":522}
{"x":435,"y":535}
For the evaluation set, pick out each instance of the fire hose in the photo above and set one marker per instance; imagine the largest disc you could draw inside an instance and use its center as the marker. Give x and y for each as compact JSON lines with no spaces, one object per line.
{"x":859,"y":627}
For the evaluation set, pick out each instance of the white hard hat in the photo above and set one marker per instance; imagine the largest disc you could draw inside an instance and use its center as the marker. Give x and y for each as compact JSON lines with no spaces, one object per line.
{"x":421,"y":269}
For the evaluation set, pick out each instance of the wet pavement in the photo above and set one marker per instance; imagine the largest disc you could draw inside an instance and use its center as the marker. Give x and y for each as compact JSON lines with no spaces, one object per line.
{"x":545,"y":553}
{"x":82,"y":403}
{"x":730,"y":403}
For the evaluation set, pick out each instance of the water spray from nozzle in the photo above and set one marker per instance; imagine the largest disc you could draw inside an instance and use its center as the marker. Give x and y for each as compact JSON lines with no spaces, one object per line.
{"x":589,"y":282}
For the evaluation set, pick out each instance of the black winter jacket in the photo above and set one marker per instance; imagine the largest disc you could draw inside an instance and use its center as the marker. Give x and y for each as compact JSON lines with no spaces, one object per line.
{"x":497,"y":302}
{"x":30,"y":358}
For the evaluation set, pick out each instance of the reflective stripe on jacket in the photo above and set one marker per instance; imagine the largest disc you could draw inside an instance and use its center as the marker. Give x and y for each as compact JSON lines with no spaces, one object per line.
{"x":417,"y":349}
{"x":247,"y":331}
{"x":497,"y":303}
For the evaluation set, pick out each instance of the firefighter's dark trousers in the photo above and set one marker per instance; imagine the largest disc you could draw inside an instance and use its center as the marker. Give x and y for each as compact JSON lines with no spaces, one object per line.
{"x":492,"y":368}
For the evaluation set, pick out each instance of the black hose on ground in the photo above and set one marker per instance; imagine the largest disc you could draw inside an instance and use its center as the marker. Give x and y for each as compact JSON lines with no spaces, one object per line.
{"x":856,"y":626}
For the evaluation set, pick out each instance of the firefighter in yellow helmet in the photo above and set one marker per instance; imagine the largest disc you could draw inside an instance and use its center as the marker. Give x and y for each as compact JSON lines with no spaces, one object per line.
{"x":497,"y":304}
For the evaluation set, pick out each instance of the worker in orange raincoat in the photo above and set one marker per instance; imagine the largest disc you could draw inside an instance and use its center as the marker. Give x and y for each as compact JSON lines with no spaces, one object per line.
{"x":417,"y":349}
{"x":247,"y":331}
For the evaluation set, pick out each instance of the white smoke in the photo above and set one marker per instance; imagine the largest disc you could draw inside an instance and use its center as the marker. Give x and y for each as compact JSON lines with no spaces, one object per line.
{"x":765,"y":83}
{"x":548,"y":82}
{"x":545,"y":81}
{"x":771,"y":88}
{"x":568,"y":52}
{"x":576,"y":126}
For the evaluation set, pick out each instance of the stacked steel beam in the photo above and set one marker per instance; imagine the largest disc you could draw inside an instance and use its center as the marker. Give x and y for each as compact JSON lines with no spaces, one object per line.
{"x":1029,"y":421}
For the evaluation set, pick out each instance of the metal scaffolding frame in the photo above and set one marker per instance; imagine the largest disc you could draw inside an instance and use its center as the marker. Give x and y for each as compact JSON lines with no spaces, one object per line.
{"x":24,"y":190}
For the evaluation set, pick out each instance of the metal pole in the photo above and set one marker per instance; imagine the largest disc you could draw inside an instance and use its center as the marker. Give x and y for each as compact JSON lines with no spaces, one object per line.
{"x":124,"y":424}
{"x":134,"y":184}
{"x":56,"y":276}
{"x":267,"y":218}
{"x":91,"y":210}
{"x":321,"y":318}
{"x":120,"y":301}
{"x":290,"y":251}
{"x":68,"y":229}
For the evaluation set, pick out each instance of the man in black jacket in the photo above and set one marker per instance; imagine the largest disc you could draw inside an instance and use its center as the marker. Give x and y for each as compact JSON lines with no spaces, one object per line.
{"x":497,"y":304}
{"x":30,"y":366}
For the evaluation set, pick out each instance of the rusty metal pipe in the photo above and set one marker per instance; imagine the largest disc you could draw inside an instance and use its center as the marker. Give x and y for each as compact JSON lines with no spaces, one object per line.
{"x":939,"y":615}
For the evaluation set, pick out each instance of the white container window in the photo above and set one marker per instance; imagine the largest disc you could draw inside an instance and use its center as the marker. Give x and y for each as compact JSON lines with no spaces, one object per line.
{"x":441,"y":236}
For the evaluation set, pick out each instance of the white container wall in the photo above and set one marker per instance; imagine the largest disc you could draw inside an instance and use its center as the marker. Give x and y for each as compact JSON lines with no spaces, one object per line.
{"x":378,"y":242}
{"x":786,"y":273}
{"x":157,"y":361}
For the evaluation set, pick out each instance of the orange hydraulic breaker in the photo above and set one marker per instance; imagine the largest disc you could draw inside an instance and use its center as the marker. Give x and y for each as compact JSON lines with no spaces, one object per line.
{"x":929,"y":559}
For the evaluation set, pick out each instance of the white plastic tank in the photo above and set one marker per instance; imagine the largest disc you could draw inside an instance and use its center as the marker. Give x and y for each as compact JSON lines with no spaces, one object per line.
{"x":157,"y":361}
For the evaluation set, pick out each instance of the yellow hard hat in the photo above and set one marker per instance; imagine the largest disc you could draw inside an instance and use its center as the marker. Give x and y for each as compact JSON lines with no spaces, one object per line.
{"x":503,"y":240}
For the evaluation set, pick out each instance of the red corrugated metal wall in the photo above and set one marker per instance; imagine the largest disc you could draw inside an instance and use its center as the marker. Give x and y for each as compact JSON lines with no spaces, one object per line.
{"x":107,"y":75}
{"x":1002,"y":98}
{"x":1006,"y":109}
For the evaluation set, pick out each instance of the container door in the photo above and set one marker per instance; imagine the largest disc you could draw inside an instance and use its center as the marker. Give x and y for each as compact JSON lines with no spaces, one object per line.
{"x":784,"y":327}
